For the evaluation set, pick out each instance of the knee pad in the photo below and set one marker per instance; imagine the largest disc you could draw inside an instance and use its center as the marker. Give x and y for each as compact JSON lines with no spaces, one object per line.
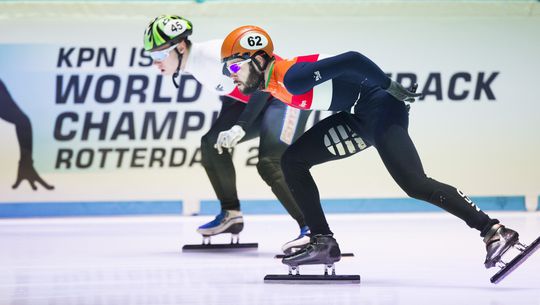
{"x":441,"y":193}
{"x":270,"y":170}
{"x":419,"y":187}
{"x":205,"y":148}
{"x":208,"y":152}
{"x":206,"y":142}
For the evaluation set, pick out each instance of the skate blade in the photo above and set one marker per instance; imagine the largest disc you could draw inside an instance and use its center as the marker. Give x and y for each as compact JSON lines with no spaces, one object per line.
{"x":311,"y":279}
{"x":220,"y":247}
{"x":516,"y":262}
{"x":342,"y":255}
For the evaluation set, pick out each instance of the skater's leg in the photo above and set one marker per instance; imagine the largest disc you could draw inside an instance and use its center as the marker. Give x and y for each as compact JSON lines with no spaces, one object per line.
{"x":330,"y":139}
{"x":219,"y":167}
{"x":220,"y":171}
{"x":403,"y":162}
{"x":280,"y":126}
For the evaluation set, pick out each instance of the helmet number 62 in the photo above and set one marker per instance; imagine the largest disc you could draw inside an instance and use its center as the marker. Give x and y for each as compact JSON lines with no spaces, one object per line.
{"x":254,"y":41}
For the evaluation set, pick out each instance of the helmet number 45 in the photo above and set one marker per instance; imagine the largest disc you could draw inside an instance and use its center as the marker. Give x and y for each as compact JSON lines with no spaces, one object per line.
{"x":176,"y":26}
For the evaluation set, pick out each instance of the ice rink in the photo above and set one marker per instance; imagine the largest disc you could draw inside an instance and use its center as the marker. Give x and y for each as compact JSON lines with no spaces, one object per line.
{"x":415,"y":259}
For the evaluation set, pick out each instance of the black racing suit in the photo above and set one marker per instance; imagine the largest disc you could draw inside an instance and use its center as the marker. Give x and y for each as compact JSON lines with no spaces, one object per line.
{"x":263,"y":117}
{"x":378,"y":120}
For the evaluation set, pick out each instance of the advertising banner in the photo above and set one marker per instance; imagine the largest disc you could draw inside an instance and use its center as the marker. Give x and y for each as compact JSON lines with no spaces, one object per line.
{"x":87,"y":118}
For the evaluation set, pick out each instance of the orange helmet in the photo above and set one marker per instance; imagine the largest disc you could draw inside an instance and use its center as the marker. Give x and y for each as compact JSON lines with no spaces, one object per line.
{"x":246,"y":41}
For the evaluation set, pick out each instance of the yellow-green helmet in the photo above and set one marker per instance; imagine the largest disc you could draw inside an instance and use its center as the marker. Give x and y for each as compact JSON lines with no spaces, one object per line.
{"x":166,"y":30}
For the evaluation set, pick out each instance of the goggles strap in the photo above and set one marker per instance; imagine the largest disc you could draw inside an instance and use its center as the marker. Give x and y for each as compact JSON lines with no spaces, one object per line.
{"x":266,"y":57}
{"x":177,"y":72}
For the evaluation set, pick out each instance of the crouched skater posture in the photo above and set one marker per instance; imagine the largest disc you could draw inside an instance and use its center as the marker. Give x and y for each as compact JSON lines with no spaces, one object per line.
{"x":241,"y":118}
{"x":379,"y":119}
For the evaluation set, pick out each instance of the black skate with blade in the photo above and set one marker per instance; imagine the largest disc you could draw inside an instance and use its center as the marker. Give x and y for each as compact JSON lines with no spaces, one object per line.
{"x":234,"y":245}
{"x":498,"y":241}
{"x":300,"y":249}
{"x":347,"y":254}
{"x":322,"y":250}
{"x":507,"y":268}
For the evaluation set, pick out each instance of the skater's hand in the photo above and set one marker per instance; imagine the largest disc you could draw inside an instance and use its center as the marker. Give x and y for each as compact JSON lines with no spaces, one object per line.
{"x":402,"y":94}
{"x":229,"y":138}
{"x":27,"y":172}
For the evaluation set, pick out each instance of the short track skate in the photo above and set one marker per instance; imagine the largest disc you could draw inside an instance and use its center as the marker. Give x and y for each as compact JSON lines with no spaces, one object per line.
{"x":507,"y":268}
{"x":342,"y":255}
{"x":234,"y":245}
{"x":329,"y":277}
{"x":321,"y":250}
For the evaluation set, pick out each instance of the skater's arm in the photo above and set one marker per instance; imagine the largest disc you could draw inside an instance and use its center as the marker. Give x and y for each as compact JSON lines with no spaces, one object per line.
{"x":352,"y":67}
{"x":254,"y":107}
{"x":229,"y":138}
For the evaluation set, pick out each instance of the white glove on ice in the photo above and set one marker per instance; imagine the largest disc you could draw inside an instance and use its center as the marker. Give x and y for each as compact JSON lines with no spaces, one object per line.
{"x":229,"y":138}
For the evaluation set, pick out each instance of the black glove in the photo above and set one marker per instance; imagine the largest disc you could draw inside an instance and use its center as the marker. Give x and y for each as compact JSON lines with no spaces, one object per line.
{"x":402,"y":94}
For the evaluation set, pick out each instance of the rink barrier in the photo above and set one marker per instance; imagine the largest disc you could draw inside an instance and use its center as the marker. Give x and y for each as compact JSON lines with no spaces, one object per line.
{"x":211,"y":207}
{"x":374,"y":205}
{"x":73,"y":209}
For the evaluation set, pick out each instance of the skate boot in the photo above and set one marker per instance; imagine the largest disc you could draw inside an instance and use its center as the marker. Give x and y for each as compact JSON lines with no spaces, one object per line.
{"x":322,"y":249}
{"x":228,"y":221}
{"x":498,"y":240}
{"x":298,"y":243}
